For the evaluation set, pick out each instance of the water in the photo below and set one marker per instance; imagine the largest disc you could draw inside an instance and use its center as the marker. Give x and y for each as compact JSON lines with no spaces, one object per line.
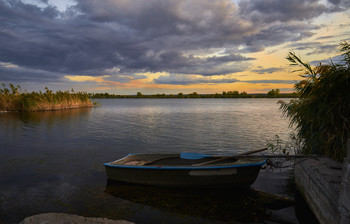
{"x":52,"y":161}
{"x":181,"y":125}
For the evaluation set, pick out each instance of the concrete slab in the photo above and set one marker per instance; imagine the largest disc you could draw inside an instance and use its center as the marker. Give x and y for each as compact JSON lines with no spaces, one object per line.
{"x":319,"y":180}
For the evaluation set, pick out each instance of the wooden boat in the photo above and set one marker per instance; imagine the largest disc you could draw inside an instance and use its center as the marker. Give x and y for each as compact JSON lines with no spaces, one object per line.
{"x":172,"y":170}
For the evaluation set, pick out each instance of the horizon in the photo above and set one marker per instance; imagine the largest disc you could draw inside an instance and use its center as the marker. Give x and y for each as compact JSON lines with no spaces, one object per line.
{"x":155,"y":47}
{"x":189,"y":93}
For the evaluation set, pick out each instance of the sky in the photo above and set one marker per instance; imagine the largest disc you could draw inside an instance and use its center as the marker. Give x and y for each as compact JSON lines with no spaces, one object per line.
{"x":166,"y":46}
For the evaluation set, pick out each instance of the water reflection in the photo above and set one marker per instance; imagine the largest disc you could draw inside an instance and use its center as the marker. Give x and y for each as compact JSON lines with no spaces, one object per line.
{"x":41,"y":128}
{"x":54,"y":160}
{"x":243,"y":205}
{"x":49,"y":117}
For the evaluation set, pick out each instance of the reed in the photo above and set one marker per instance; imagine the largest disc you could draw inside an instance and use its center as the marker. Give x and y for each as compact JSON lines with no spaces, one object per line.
{"x":13,"y":99}
{"x":321,"y":115}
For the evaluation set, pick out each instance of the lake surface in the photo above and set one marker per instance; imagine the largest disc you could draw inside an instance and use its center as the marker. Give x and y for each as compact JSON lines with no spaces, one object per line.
{"x":53,"y":161}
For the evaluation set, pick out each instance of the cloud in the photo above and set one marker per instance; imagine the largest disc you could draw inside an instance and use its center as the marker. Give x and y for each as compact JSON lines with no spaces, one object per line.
{"x":81,"y":78}
{"x":177,"y":79}
{"x":91,"y":38}
{"x":314,"y":47}
{"x":14,"y":74}
{"x":336,"y":60}
{"x":267,"y":70}
{"x":329,"y":48}
{"x":271,"y":81}
{"x":269,"y":11}
{"x":285,"y":21}
{"x":142,"y":36}
{"x":338,"y":5}
{"x":190,"y":79}
{"x":281,"y":33}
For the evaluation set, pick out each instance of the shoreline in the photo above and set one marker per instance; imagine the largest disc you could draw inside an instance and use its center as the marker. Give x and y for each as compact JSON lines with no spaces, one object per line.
{"x":49,"y":109}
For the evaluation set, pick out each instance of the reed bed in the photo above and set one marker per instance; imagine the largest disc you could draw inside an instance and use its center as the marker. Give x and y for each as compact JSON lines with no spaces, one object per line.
{"x":321,"y":114}
{"x":13,"y":99}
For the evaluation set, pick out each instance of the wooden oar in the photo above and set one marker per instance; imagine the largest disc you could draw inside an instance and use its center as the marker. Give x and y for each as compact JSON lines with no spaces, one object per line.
{"x":229,"y":157}
{"x":195,"y":155}
{"x":314,"y":156}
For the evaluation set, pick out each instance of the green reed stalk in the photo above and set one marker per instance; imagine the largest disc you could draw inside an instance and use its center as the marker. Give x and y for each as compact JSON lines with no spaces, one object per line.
{"x":321,"y":115}
{"x":14,"y":99}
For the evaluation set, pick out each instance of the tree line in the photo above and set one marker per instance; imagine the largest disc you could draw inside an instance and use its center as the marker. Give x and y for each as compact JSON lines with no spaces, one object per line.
{"x":274,"y":93}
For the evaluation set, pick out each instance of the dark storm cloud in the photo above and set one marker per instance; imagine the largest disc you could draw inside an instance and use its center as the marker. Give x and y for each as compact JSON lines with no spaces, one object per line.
{"x":91,"y":37}
{"x":39,"y":39}
{"x":136,"y":36}
{"x":16,"y":74}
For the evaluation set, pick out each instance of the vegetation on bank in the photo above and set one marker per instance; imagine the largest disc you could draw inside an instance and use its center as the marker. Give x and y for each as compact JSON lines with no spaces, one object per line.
{"x":274,"y":93}
{"x":13,"y":99}
{"x":321,"y":114}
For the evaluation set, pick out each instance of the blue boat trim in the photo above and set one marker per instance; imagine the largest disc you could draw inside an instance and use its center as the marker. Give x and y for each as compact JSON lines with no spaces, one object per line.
{"x":184,"y":168}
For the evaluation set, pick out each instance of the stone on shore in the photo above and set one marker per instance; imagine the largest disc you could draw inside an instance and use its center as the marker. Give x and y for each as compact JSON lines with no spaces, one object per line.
{"x":61,"y":218}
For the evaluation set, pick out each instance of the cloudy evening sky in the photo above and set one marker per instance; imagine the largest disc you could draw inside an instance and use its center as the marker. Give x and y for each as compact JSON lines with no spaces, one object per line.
{"x":165,"y":46}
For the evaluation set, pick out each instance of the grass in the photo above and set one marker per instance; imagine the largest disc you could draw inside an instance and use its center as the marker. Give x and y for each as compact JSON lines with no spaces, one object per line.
{"x":13,"y":99}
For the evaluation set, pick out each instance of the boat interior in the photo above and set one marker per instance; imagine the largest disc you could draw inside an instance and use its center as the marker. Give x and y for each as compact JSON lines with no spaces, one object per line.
{"x":175,"y":160}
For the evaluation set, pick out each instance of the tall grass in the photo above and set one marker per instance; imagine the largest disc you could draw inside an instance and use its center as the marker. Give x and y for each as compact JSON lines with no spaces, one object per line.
{"x":13,"y":99}
{"x":322,"y":113}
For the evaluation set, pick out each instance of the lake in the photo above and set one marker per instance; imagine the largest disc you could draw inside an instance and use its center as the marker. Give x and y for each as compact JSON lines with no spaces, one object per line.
{"x":53,"y":161}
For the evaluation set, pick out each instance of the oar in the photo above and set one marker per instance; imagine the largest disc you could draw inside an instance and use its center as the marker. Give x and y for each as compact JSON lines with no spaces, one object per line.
{"x":232,"y":156}
{"x":194,"y":155}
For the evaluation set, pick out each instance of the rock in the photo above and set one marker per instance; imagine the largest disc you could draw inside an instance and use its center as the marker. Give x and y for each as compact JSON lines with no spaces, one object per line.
{"x":61,"y":218}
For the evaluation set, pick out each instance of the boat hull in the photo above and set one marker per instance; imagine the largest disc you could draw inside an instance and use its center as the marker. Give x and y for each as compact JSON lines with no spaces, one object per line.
{"x":186,"y":176}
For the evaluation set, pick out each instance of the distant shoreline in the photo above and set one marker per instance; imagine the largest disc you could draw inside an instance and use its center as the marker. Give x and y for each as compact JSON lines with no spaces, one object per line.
{"x":192,"y":96}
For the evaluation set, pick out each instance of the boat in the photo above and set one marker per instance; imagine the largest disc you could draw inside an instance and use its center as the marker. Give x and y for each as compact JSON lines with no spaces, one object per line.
{"x":171,"y":170}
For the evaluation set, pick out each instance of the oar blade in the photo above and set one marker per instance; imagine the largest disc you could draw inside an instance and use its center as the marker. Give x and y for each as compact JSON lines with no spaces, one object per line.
{"x":193,"y":155}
